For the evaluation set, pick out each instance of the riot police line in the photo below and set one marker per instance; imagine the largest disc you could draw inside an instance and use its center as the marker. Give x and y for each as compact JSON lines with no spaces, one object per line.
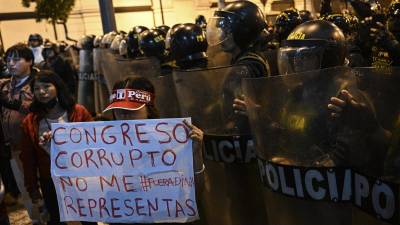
{"x":289,"y":121}
{"x":201,"y":93}
{"x":312,"y":167}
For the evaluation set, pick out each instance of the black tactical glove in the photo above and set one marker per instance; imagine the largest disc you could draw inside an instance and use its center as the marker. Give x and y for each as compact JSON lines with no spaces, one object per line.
{"x":352,"y":113}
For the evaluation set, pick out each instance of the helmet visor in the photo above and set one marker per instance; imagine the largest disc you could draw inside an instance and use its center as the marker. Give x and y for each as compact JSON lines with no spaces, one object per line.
{"x":218,"y":30}
{"x":299,"y":59}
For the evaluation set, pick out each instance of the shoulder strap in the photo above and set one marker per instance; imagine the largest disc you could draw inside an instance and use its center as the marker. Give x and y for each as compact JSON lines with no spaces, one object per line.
{"x":256,"y":57}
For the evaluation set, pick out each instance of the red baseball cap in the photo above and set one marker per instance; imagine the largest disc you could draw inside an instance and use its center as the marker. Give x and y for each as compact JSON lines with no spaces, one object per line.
{"x":129,"y":99}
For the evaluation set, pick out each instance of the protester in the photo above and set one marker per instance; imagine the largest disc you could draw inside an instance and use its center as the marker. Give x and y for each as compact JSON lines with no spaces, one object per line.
{"x":52,"y":103}
{"x":129,"y":109}
{"x":15,"y":99}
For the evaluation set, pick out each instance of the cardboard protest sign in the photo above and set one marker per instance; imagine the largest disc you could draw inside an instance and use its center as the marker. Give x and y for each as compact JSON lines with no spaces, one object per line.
{"x":137,"y":171}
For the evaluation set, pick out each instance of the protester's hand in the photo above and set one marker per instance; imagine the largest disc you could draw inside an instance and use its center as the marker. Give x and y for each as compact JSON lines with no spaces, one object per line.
{"x":353,"y":113}
{"x":45,"y":138}
{"x":196,"y":134}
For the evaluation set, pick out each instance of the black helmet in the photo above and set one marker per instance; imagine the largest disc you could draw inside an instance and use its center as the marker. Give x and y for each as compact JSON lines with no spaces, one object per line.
{"x":394,"y":9}
{"x":312,"y":45}
{"x":152,"y":43}
{"x":133,"y":41}
{"x":50,"y":50}
{"x":188,"y":42}
{"x":164,"y":29}
{"x":201,"y":21}
{"x":243,"y":20}
{"x":305,"y":15}
{"x":168,"y":36}
{"x":341,"y":21}
{"x":86,"y":42}
{"x":286,"y":21}
{"x":35,"y":37}
{"x":378,"y":12}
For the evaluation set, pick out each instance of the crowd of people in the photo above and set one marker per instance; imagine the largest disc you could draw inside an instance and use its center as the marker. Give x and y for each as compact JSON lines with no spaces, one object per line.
{"x":39,"y":84}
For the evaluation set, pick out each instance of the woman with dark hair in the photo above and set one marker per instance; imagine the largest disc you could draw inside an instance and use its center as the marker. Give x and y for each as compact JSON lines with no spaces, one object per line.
{"x":52,"y":103}
{"x":144,"y":108}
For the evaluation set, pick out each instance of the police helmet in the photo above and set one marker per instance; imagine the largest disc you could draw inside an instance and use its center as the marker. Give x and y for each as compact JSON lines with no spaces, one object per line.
{"x":188,"y":42}
{"x":35,"y":37}
{"x":152,"y":43}
{"x":243,"y":20}
{"x":305,"y":15}
{"x":286,"y":21}
{"x":312,"y":45}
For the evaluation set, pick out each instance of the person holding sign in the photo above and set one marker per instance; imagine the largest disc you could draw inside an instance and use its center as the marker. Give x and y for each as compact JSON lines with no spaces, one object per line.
{"x":133,"y":99}
{"x":52,"y":103}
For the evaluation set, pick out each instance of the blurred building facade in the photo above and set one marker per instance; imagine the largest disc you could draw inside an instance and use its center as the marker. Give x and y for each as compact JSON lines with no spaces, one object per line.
{"x":17,"y":22}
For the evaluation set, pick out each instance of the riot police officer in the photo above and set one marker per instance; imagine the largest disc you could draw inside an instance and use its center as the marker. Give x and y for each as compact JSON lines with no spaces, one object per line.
{"x":236,"y":28}
{"x":201,"y":21}
{"x":35,"y":42}
{"x":152,"y":44}
{"x":386,"y":37}
{"x":341,"y":21}
{"x":164,"y":29}
{"x":53,"y":61}
{"x":305,"y":15}
{"x":349,"y":26}
{"x":285,"y":22}
{"x":133,"y":41}
{"x":313,"y":45}
{"x":188,"y":46}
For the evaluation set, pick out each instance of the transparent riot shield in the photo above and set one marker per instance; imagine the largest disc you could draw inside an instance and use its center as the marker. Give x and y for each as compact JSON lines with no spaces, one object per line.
{"x":271,"y":55}
{"x":317,"y":168}
{"x":116,"y":68}
{"x":381,"y":85}
{"x":218,"y":56}
{"x":101,"y":92}
{"x":232,"y":188}
{"x":165,"y":100}
{"x":86,"y":80}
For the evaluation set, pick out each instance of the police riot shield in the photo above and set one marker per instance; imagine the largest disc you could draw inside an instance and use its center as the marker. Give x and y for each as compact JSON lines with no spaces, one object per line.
{"x":271,"y":55}
{"x":116,"y":68}
{"x":218,"y":56}
{"x":86,"y":79}
{"x":324,"y":165}
{"x":232,"y":188}
{"x":380,"y":205}
{"x":165,"y":100}
{"x":101,"y":92}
